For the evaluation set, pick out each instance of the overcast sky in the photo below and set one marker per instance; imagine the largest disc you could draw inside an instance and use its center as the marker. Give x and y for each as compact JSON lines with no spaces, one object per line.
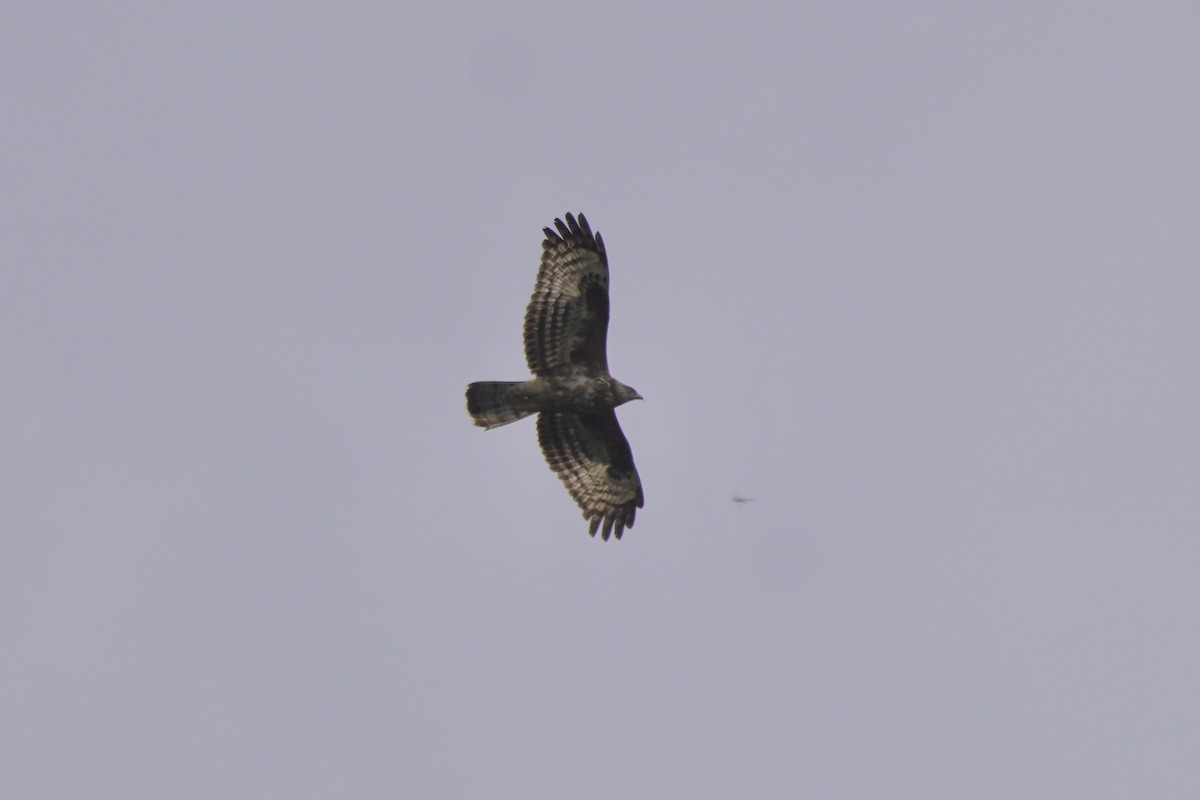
{"x":919,"y":278}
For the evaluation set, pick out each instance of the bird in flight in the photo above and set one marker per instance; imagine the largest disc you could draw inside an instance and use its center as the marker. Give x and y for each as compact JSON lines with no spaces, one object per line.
{"x":566,"y":326}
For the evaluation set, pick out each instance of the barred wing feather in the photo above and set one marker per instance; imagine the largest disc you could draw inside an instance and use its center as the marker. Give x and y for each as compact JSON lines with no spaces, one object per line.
{"x":566,"y":322}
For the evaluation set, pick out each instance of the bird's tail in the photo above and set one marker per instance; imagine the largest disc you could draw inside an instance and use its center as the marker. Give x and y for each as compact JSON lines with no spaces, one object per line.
{"x":491,"y":403}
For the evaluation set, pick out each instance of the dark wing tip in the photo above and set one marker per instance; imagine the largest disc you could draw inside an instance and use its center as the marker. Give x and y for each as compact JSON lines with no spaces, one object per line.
{"x":569,"y":230}
{"x":584,"y":229}
{"x":614,"y":522}
{"x":574,"y":230}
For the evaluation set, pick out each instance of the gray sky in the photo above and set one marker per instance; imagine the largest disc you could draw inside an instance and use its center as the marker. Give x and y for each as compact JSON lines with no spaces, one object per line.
{"x":919,"y":278}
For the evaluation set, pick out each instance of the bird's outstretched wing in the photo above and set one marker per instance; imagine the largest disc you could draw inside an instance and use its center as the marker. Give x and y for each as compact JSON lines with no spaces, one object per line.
{"x":591,"y":456}
{"x":566,"y":322}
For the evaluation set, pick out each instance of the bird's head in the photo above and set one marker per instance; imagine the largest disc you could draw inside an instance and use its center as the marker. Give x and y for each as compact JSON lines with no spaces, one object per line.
{"x":625,"y":393}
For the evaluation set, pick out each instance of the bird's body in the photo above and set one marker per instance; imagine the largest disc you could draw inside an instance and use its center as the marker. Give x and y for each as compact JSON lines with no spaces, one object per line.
{"x":494,"y":403}
{"x":566,"y":326}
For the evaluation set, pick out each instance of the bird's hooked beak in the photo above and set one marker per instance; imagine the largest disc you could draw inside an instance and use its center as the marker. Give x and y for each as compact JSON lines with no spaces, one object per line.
{"x":625,"y":393}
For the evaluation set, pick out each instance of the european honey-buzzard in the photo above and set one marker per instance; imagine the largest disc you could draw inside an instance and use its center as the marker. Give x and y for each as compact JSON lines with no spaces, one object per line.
{"x":566,"y":325}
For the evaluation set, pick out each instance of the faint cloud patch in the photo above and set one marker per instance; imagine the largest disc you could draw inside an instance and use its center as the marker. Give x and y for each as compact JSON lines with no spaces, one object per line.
{"x":501,"y":68}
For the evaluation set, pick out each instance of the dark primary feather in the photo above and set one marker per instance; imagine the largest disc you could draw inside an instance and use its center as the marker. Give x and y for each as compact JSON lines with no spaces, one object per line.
{"x":591,"y":456}
{"x":566,"y":322}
